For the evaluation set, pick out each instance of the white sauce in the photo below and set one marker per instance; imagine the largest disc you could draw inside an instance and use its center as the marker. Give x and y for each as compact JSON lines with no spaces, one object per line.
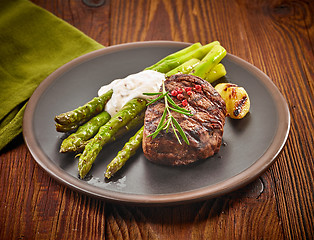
{"x":133,"y":86}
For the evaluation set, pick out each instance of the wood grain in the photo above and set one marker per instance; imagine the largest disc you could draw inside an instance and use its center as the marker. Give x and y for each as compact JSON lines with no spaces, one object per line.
{"x":277,"y":37}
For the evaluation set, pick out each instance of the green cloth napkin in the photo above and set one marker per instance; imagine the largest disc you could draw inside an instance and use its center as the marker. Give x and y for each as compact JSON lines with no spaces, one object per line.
{"x":33,"y":44}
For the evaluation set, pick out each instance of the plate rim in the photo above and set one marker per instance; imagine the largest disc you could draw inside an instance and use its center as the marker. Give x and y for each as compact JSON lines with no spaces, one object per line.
{"x":218,"y":189}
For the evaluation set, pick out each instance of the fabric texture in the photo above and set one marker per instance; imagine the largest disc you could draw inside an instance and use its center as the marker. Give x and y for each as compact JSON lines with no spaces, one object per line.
{"x":33,"y":44}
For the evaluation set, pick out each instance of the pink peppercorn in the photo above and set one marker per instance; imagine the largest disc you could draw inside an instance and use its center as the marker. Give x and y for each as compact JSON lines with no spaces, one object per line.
{"x":187,"y":89}
{"x":174,"y":93}
{"x":180,"y":91}
{"x":180,"y":97}
{"x":198,"y":88}
{"x":184,"y":103}
{"x":189,"y":93}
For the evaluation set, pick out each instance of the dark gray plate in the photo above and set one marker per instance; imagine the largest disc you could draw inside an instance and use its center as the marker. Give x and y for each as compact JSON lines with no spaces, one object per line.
{"x":250,"y":145}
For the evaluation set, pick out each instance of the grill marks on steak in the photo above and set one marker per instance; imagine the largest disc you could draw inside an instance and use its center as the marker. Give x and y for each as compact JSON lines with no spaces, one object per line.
{"x":204,"y":129}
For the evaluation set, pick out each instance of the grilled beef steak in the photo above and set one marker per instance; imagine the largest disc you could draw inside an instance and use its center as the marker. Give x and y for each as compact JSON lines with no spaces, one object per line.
{"x":204,"y":129}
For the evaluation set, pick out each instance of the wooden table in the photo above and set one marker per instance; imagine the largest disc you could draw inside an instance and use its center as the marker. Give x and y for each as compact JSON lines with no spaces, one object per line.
{"x":275,"y":36}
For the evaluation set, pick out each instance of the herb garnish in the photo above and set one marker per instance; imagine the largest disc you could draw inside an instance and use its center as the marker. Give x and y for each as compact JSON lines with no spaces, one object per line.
{"x":167,"y":119}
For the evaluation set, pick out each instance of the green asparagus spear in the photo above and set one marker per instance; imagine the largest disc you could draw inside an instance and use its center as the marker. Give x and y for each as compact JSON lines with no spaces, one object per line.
{"x":127,"y":151}
{"x":85,"y":112}
{"x":170,"y":64}
{"x":176,"y":55}
{"x":134,"y":123}
{"x":128,"y":112}
{"x":66,"y":128}
{"x":217,"y":72}
{"x":69,"y":127}
{"x":84,"y":132}
{"x":212,"y":58}
{"x":184,"y":68}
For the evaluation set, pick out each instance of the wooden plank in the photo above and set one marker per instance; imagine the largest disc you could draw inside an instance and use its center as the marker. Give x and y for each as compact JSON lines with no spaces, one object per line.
{"x":246,"y":214}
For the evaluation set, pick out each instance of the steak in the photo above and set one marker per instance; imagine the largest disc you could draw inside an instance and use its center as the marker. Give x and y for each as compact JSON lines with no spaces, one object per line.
{"x":204,"y":129}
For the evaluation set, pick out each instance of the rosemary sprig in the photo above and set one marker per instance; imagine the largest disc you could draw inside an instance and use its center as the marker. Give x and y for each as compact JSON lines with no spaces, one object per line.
{"x":167,"y":118}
